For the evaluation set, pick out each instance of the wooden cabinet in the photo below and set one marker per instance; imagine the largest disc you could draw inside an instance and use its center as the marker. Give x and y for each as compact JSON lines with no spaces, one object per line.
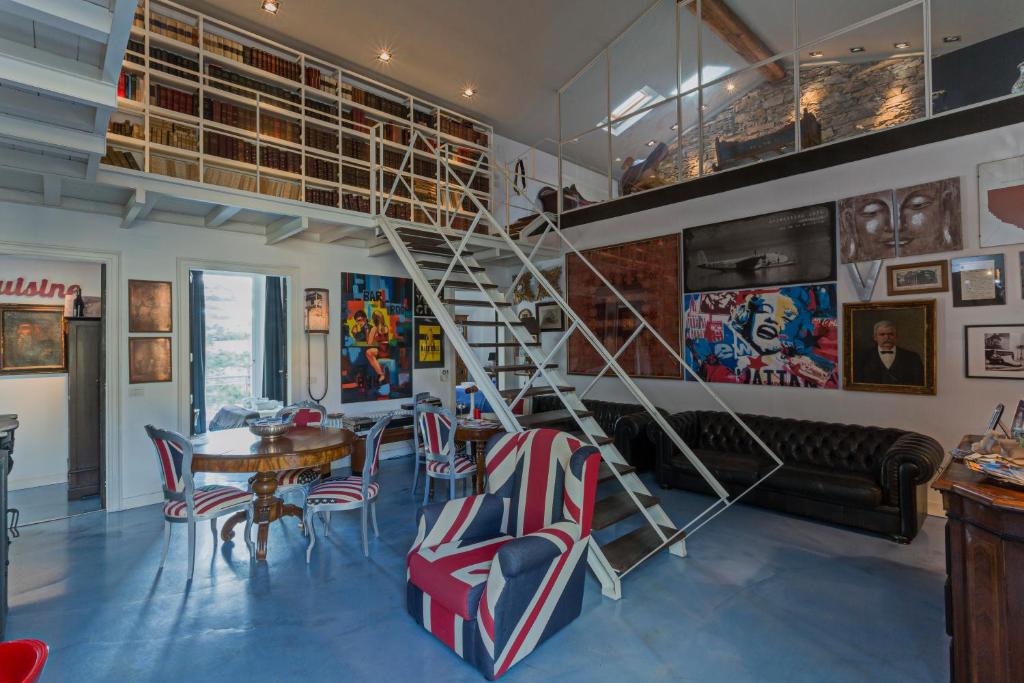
{"x":985,"y":576}
{"x":85,"y":408}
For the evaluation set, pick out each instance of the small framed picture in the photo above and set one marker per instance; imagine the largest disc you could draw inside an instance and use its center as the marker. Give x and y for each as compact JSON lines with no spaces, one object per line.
{"x":149,"y":306}
{"x":550,"y":317}
{"x":149,"y":360}
{"x":889,"y":346}
{"x":429,"y":343}
{"x":979,"y":280}
{"x":926,"y":277}
{"x":1017,"y":428}
{"x":317,"y":313}
{"x":530,"y":322}
{"x":994,"y":352}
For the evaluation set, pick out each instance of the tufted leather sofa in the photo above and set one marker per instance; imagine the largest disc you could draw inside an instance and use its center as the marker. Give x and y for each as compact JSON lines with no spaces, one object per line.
{"x":625,"y":422}
{"x":871,"y":478}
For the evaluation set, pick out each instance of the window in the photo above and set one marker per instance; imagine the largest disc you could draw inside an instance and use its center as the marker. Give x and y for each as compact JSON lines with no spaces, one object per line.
{"x":233,"y":339}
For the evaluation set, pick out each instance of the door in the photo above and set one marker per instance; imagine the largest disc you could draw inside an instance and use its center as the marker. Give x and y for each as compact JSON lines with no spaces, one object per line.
{"x":85,"y":400}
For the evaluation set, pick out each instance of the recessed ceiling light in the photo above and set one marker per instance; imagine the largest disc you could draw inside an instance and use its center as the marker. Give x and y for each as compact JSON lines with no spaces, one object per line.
{"x":951,"y":39}
{"x":675,"y":126}
{"x":468,"y":92}
{"x":902,"y":45}
{"x":730,"y":86}
{"x":270,"y":6}
{"x":651,"y":143}
{"x":856,"y":49}
{"x":385,"y":56}
{"x":618,"y":158}
{"x":816,"y":54}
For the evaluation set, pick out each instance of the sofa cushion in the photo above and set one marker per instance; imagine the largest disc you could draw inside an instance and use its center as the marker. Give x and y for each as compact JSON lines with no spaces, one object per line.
{"x":455,"y":574}
{"x":825,"y":484}
{"x":733,"y":468}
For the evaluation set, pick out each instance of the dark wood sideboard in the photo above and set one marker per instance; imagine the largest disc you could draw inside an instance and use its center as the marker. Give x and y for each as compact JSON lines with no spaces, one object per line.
{"x":985,"y":576}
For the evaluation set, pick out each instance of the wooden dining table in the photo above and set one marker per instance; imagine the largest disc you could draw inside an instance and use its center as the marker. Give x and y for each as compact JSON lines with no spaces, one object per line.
{"x":239,"y":451}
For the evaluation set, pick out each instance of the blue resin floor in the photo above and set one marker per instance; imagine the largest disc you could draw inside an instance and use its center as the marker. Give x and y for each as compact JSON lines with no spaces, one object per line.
{"x":761,"y":597}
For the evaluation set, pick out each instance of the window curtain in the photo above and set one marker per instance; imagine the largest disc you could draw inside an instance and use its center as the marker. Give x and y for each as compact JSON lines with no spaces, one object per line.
{"x":197,"y":349}
{"x":275,"y":340}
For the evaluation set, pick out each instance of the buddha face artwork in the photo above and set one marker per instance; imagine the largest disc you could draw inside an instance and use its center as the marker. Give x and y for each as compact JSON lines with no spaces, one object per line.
{"x":929,"y":218}
{"x":867,"y":231}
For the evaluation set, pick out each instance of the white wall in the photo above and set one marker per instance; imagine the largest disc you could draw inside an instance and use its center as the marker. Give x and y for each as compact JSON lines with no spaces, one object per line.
{"x":961,"y":405}
{"x":40,"y":401}
{"x":151,"y":251}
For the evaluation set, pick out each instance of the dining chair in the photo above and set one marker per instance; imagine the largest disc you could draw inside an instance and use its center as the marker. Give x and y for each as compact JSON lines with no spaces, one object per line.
{"x":418,"y":457}
{"x":437,"y":426}
{"x":356,"y":491}
{"x":307,"y":414}
{"x":186,"y":504}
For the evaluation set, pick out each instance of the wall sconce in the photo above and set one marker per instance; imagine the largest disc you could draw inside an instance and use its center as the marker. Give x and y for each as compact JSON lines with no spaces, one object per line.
{"x":316,"y":320}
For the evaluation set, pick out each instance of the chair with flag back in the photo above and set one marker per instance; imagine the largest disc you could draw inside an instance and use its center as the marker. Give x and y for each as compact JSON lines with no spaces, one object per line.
{"x":418,"y":452}
{"x":443,"y":461}
{"x":348,"y":493}
{"x":494,"y":575}
{"x":306,"y":414}
{"x":186,"y":504}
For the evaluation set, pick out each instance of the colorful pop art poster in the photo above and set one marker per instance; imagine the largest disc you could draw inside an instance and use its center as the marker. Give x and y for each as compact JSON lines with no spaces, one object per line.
{"x":376,"y":352}
{"x":777,"y":337}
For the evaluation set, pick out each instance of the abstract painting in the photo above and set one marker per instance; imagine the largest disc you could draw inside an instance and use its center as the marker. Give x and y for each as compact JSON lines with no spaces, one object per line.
{"x":149,"y":306}
{"x":376,"y":354}
{"x":776,"y":337}
{"x":149,"y":360}
{"x":1001,"y":196}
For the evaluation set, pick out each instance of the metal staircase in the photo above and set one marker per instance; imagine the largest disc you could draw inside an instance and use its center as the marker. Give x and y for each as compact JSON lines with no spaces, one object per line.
{"x":442,"y":262}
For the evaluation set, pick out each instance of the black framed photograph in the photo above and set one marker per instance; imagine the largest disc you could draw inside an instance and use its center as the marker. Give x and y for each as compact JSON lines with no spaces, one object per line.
{"x":994,"y":352}
{"x":429,"y":343}
{"x":530,"y":322}
{"x":889,"y":346}
{"x":926,"y":277}
{"x":979,"y":280}
{"x":550,"y":317}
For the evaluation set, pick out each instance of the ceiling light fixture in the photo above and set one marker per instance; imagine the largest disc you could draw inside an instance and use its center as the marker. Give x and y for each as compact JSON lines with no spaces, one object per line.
{"x":468,"y":92}
{"x":902,"y":45}
{"x":857,"y":49}
{"x":651,"y":143}
{"x":730,"y":86}
{"x":816,"y":54}
{"x":951,"y":39}
{"x":385,"y":56}
{"x":675,"y":126}
{"x":270,"y":6}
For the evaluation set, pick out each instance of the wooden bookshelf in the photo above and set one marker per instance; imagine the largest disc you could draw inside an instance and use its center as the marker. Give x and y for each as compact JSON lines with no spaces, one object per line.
{"x":202,"y":100}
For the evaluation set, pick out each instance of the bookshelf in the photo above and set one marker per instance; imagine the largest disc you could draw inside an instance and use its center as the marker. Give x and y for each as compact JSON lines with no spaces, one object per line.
{"x":202,"y":100}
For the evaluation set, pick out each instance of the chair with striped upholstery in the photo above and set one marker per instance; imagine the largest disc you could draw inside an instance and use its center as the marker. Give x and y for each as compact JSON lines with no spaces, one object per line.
{"x":307,"y":414}
{"x":418,"y":454}
{"x":186,"y":504}
{"x":437,"y":429}
{"x":348,"y":493}
{"x":494,"y":575}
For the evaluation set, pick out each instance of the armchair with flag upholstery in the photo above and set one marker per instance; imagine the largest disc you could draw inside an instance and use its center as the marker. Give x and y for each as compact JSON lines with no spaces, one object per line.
{"x":494,"y":575}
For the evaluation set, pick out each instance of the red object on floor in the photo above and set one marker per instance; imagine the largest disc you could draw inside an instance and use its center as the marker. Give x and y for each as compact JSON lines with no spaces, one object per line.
{"x":476,"y":413}
{"x":22,"y":661}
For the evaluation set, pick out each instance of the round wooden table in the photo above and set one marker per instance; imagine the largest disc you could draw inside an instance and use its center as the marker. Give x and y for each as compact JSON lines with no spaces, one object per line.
{"x":476,"y":433}
{"x":238,"y":451}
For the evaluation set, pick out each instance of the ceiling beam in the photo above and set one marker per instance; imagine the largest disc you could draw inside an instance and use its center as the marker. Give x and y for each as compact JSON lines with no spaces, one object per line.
{"x":735,"y":33}
{"x":26,"y":130}
{"x":138,"y":207}
{"x":40,"y":162}
{"x":286,"y":227}
{"x":221,"y":215}
{"x":383,"y":249}
{"x":77,"y":17}
{"x":34,"y":69}
{"x":331,"y":235}
{"x":51,"y":190}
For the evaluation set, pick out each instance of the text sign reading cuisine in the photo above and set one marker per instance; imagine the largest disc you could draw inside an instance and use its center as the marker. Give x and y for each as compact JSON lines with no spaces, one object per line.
{"x":646,"y":273}
{"x":781,"y":248}
{"x":778,"y":337}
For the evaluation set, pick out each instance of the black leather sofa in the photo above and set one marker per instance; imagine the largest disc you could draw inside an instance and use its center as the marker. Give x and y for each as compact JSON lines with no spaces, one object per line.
{"x":871,"y":478}
{"x":624,"y":422}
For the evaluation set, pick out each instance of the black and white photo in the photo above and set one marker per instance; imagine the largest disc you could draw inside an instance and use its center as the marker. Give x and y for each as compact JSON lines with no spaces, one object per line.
{"x":994,"y":351}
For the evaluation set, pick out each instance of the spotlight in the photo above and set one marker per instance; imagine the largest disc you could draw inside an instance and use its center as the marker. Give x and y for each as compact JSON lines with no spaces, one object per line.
{"x":675,"y":126}
{"x":468,"y":92}
{"x":902,"y":45}
{"x":816,"y":54}
{"x":270,"y":6}
{"x":856,"y":49}
{"x":951,"y":39}
{"x":385,"y":56}
{"x":730,"y":86}
{"x":651,"y":143}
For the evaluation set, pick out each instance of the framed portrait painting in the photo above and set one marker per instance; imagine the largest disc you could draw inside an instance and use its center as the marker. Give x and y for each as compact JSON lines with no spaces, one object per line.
{"x":149,"y":306}
{"x":889,"y":346}
{"x":918,"y":278}
{"x":429,"y":343}
{"x":994,"y":351}
{"x":149,"y":360}
{"x":31,"y":339}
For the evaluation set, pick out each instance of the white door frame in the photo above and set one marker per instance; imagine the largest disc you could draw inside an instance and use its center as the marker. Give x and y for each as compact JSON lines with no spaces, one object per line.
{"x":296,"y":351}
{"x":115,"y":296}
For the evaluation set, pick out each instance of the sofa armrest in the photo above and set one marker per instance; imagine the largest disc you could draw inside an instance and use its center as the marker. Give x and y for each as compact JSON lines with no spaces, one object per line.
{"x":919,"y":450}
{"x":632,"y":439}
{"x":538,"y":549}
{"x":685,"y":424}
{"x":482,"y":516}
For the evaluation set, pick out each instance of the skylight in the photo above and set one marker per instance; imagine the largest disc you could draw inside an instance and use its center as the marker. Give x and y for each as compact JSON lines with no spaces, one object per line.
{"x":643,"y":97}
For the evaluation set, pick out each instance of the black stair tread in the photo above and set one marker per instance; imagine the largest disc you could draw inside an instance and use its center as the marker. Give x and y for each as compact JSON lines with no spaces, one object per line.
{"x":533,"y":391}
{"x":491,"y":345}
{"x":464,"y":284}
{"x":605,"y":473}
{"x":599,"y":440}
{"x":629,"y":549}
{"x":513,"y":368}
{"x":491,"y":323}
{"x":550,"y":417}
{"x":619,"y":506}
{"x":478,"y":304}
{"x":457,"y":268}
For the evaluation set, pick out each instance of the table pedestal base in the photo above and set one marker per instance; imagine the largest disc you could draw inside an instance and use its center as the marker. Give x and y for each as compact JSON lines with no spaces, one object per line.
{"x":266,"y":508}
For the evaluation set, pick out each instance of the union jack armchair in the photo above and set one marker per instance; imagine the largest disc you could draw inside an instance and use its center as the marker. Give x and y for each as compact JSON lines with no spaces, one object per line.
{"x":494,"y":575}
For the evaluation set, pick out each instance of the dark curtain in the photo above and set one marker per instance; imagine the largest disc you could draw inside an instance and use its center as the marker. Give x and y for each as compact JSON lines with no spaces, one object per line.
{"x":275,"y":341}
{"x":197,"y":349}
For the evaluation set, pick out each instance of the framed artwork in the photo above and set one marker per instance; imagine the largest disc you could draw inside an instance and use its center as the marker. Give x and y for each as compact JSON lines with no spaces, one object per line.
{"x":929,"y":218}
{"x":429,"y":343}
{"x":776,"y":337}
{"x":420,"y":307}
{"x":377,"y":336}
{"x":867,"y":229}
{"x":317,"y":311}
{"x":149,"y":306}
{"x":1001,"y":202}
{"x":889,"y":346}
{"x":149,"y":360}
{"x":1017,"y":428}
{"x":31,"y":339}
{"x":781,"y":248}
{"x":530,"y":322}
{"x":647,"y":273}
{"x":979,"y":280}
{"x":550,"y":317}
{"x":994,"y":352}
{"x":917,"y":278}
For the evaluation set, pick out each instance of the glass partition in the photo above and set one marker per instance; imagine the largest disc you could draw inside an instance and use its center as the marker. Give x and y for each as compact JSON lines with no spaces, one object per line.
{"x":583,"y":104}
{"x":586,"y":169}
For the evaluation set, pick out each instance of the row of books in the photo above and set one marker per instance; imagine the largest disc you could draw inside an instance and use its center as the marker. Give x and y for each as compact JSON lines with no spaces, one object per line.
{"x":130,"y":86}
{"x":424,"y":118}
{"x":392,"y":158}
{"x":252,"y":56}
{"x":322,"y":169}
{"x":315,"y":78}
{"x":322,"y":197}
{"x":355,"y":177}
{"x":229,"y":114}
{"x":281,"y":188}
{"x":322,"y":110}
{"x":355,"y":148}
{"x":172,"y":28}
{"x":252,"y":84}
{"x":424,"y":167}
{"x":281,"y":159}
{"x":466,"y":131}
{"x":226,"y":178}
{"x":136,"y":53}
{"x":281,"y":129}
{"x":393,"y":133}
{"x":173,"y":99}
{"x":127,"y":128}
{"x":139,"y":20}
{"x":355,"y":202}
{"x":400,"y":190}
{"x":171,"y":58}
{"x":173,"y":135}
{"x":175,"y":168}
{"x":229,"y":147}
{"x":400,"y":211}
{"x":121,"y":159}
{"x":388,"y":106}
{"x":322,"y":139}
{"x":425,"y":190}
